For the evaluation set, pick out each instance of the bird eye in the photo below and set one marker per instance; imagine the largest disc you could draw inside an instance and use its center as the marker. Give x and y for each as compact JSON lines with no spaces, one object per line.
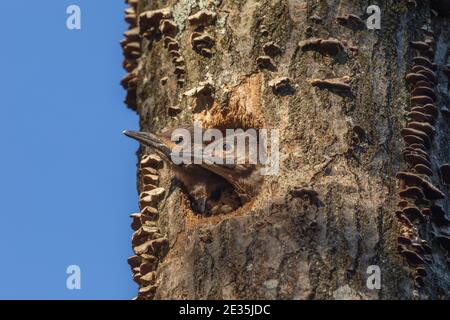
{"x":179,"y":140}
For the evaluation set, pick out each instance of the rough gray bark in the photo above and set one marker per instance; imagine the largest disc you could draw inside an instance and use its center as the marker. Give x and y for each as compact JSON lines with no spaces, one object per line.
{"x":346,"y":146}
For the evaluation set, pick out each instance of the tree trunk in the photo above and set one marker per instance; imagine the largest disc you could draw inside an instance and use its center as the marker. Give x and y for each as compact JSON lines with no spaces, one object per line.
{"x":338,"y":204}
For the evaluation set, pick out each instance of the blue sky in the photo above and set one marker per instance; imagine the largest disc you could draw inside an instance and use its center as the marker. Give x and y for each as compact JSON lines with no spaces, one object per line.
{"x":67,"y":181}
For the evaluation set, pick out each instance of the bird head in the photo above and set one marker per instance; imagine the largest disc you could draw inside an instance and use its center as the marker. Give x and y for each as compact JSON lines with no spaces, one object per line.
{"x":164,"y":144}
{"x":233,"y":156}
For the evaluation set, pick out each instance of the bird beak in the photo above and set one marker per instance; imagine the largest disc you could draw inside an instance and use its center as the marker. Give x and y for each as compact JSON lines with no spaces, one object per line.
{"x":149,"y":140}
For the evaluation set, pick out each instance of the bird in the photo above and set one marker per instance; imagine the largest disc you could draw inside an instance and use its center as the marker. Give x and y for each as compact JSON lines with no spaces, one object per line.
{"x":214,"y":185}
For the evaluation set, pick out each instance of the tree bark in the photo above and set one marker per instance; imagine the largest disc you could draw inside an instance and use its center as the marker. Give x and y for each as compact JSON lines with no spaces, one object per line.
{"x":332,"y":211}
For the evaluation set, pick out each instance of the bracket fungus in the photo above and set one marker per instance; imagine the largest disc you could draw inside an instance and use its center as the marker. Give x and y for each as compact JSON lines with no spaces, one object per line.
{"x":134,"y":261}
{"x":423,"y":61}
{"x":413,"y":213}
{"x":420,"y":100}
{"x":419,"y":281}
{"x":429,"y":109}
{"x":281,"y":85}
{"x":359,"y":132}
{"x":147,"y":291}
{"x":151,"y":198}
{"x":420,"y":117}
{"x":148,"y":170}
{"x":202,"y":18}
{"x":148,"y":263}
{"x":148,"y":216}
{"x":149,"y":21}
{"x":413,"y":78}
{"x":424,"y":127}
{"x":171,"y":44}
{"x":175,"y":54}
{"x":130,"y":47}
{"x":152,"y":179}
{"x":132,"y":51}
{"x":416,"y":159}
{"x":351,"y":21}
{"x":423,"y":83}
{"x":423,"y":169}
{"x":413,"y":258}
{"x":427,"y":72}
{"x":272,"y":49}
{"x":148,"y":279}
{"x":414,"y":180}
{"x":152,"y":232}
{"x":156,"y":247}
{"x":179,"y":71}
{"x":132,"y":34}
{"x":420,"y":45}
{"x":136,"y":221}
{"x":130,"y":16}
{"x":409,"y":132}
{"x":266,"y":62}
{"x":178,"y":62}
{"x":413,"y":193}
{"x":168,"y":28}
{"x":202,"y":43}
{"x":129,"y":65}
{"x":173,"y":111}
{"x":403,"y":219}
{"x":403,"y":203}
{"x":403,"y":240}
{"x":419,"y":248}
{"x":334,"y":85}
{"x":430,"y":75}
{"x":151,"y":160}
{"x":416,"y":149}
{"x":330,"y":46}
{"x":424,"y":91}
{"x":129,"y":81}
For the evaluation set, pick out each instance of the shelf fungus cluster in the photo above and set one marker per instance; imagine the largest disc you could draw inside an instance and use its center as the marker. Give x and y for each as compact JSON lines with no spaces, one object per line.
{"x":131,"y":46}
{"x":266,"y":61}
{"x":330,"y":46}
{"x":155,"y":25}
{"x":351,"y":21}
{"x":149,"y":244}
{"x":334,"y":48}
{"x":201,"y":40}
{"x":418,"y":205}
{"x":280,"y":85}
